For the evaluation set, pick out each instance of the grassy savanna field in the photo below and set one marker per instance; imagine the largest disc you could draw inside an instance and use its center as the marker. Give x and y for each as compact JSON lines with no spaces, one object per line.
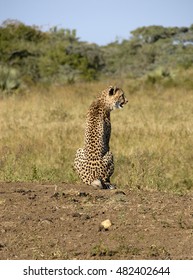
{"x":152,"y":137}
{"x":47,"y":82}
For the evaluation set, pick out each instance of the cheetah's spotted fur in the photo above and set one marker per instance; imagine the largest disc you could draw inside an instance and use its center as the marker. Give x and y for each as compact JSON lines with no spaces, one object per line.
{"x":94,"y":162}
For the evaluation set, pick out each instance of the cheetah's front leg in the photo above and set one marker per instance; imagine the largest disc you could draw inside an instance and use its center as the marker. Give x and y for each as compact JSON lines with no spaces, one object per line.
{"x":98,"y":183}
{"x":107,"y":169}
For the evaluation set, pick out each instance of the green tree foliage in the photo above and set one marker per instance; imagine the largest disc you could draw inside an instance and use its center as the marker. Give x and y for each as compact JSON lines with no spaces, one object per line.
{"x":29,"y":56}
{"x":55,"y":56}
{"x":150,"y":48}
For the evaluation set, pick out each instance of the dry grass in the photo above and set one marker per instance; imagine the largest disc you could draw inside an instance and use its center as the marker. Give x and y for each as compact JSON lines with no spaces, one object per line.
{"x":152,"y":137}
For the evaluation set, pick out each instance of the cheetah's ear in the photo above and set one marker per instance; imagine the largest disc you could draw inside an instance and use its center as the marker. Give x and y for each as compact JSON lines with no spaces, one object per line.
{"x":112,"y":90}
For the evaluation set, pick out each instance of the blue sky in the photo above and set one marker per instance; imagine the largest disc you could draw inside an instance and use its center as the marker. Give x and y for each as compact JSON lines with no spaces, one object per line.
{"x":99,"y":21}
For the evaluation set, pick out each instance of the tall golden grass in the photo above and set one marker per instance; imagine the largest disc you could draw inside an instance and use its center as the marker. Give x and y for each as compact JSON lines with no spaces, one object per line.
{"x":152,"y":137}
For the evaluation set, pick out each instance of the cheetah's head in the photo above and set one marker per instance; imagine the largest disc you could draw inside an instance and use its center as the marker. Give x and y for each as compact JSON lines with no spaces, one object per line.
{"x":116,"y":98}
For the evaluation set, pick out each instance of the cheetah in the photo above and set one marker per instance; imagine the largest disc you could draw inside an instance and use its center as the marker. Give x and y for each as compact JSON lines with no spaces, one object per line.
{"x":94,"y":162}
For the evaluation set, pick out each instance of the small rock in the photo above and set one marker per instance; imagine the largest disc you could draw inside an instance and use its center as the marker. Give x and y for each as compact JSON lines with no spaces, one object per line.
{"x":2,"y":201}
{"x":83,"y":194}
{"x":120,"y":192}
{"x":1,"y":246}
{"x":76,"y":215}
{"x":56,"y":195}
{"x":106,"y":224}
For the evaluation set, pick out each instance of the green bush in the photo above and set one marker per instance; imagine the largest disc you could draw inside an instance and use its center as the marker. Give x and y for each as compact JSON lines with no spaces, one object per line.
{"x":9,"y":78}
{"x":57,"y":56}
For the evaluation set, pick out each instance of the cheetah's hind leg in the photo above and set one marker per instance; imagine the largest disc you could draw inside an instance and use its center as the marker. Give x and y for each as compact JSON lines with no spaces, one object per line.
{"x":108,"y":165}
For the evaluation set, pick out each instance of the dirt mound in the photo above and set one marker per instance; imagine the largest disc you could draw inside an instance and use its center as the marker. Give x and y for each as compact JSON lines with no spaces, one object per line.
{"x":64,"y":222}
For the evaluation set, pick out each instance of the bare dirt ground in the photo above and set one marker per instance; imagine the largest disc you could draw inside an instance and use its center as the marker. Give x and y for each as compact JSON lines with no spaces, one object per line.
{"x":63,"y":222}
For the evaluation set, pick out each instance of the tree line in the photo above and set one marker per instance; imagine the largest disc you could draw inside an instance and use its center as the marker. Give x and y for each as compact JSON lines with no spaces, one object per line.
{"x":31,"y":56}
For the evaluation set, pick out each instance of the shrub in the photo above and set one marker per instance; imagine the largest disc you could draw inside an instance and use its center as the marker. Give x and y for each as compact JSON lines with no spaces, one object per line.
{"x":9,"y":78}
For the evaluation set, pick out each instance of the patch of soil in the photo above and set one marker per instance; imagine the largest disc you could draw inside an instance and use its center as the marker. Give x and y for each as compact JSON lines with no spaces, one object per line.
{"x":64,"y":222}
